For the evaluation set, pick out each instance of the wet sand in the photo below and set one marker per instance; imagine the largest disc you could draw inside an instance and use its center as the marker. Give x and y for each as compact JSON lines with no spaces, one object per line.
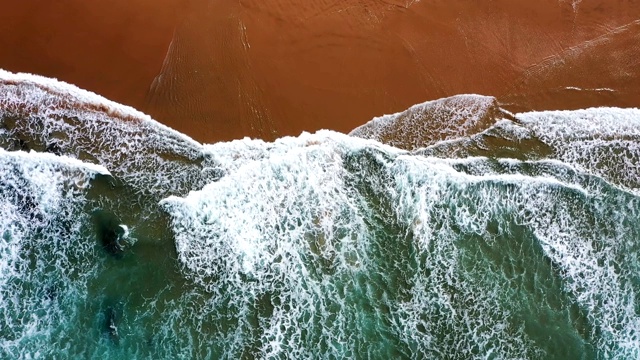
{"x":604,"y":71}
{"x":219,"y":70}
{"x":114,"y":48}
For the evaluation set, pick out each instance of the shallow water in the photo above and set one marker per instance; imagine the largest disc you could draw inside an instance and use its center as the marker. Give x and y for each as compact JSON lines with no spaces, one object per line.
{"x":130,"y":240}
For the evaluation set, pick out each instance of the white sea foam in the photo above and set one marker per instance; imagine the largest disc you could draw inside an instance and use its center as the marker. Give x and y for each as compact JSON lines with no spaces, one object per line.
{"x":61,"y":88}
{"x":298,"y":221}
{"x":598,"y":141}
{"x":268,"y":221}
{"x":426,"y":123}
{"x":323,"y":240}
{"x":41,"y":219}
{"x":582,"y":241}
{"x":594,"y":89}
{"x":232,"y":155}
{"x":41,"y":159}
{"x":47,"y":114}
{"x":601,"y":141}
{"x":580,"y":124}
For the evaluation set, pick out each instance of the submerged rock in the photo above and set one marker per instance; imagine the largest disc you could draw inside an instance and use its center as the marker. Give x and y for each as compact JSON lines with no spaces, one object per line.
{"x":111,"y":233}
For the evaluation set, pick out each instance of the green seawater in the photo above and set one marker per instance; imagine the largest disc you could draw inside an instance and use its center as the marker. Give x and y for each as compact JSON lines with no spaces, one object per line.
{"x":122,"y":239}
{"x":399,"y":257}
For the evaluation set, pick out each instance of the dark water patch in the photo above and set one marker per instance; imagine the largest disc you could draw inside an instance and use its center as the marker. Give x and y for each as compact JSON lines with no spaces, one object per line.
{"x":21,"y":145}
{"x":54,"y":147}
{"x":110,"y":233}
{"x":111,"y":315}
{"x":14,"y":143}
{"x":51,"y":292}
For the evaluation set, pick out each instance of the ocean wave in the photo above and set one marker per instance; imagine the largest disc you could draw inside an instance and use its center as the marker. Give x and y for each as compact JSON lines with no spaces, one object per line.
{"x":425,"y":124}
{"x":45,"y":263}
{"x":47,"y":115}
{"x":349,"y":241}
{"x":499,"y":235}
{"x":599,"y":141}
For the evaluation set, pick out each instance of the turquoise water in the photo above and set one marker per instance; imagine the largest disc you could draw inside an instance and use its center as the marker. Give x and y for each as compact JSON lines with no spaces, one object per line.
{"x":133,"y":241}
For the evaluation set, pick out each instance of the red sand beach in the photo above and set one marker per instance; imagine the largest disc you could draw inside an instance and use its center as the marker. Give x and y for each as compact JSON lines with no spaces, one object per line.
{"x":219,"y":70}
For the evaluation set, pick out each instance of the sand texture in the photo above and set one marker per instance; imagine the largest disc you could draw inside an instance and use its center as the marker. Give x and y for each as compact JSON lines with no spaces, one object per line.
{"x":220,"y":70}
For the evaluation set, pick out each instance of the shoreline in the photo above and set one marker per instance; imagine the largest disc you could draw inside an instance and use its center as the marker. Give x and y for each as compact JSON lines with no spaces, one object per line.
{"x":220,"y":71}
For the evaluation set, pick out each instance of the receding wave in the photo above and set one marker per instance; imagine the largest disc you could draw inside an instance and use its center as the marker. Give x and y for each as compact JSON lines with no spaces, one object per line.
{"x":600,"y":141}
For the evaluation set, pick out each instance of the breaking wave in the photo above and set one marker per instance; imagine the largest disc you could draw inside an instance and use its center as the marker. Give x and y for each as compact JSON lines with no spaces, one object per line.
{"x":517,"y":237}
